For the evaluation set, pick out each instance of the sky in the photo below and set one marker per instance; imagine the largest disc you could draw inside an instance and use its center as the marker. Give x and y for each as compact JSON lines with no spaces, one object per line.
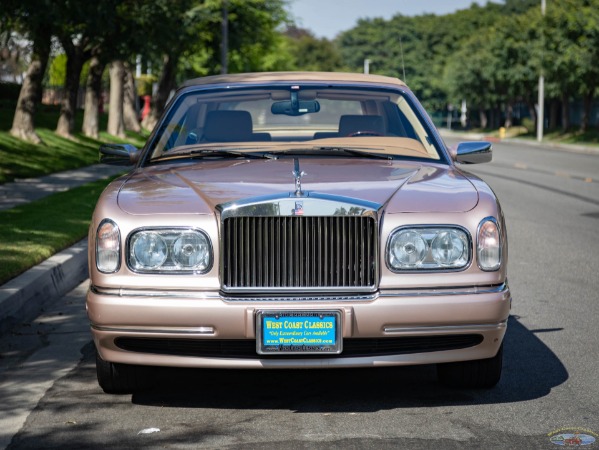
{"x":327,"y":18}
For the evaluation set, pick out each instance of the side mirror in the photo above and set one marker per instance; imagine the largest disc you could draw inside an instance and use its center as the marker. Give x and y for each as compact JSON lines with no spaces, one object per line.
{"x":119,"y":154}
{"x":474,"y":152}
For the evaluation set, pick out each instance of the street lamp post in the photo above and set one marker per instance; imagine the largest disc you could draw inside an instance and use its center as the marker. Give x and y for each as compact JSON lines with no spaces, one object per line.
{"x":224,"y":45}
{"x":541,"y":111}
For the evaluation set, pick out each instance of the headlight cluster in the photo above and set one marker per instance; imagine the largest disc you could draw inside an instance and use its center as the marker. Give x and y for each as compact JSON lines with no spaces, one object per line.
{"x":169,"y":250}
{"x":428,"y":248}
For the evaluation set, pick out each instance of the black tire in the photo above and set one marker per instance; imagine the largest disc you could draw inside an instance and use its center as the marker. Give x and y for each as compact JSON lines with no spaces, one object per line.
{"x":116,"y":378}
{"x":478,"y":374}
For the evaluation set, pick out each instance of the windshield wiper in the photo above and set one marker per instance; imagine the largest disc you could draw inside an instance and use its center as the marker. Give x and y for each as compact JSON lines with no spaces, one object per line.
{"x":213,"y":153}
{"x":356,"y":152}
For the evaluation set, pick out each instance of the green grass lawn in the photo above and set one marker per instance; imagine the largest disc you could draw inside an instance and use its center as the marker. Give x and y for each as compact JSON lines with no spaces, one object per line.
{"x":20,"y":159}
{"x":33,"y":232}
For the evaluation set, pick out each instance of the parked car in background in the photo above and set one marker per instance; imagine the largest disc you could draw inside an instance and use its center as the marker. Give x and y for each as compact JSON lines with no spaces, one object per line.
{"x":297,"y":220}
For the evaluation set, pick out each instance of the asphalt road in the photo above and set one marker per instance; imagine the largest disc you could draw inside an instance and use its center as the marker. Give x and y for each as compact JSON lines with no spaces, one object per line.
{"x":50,"y":399}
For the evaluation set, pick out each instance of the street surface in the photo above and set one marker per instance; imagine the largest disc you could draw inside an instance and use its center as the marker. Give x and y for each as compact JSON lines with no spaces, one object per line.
{"x":50,"y":398}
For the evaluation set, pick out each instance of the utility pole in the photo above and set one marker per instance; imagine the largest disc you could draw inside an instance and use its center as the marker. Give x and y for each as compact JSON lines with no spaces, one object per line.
{"x":366,"y":66}
{"x":224,"y":45}
{"x":541,"y":111}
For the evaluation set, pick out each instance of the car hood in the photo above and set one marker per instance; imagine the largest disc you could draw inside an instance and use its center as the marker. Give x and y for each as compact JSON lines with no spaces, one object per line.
{"x":198,"y":187}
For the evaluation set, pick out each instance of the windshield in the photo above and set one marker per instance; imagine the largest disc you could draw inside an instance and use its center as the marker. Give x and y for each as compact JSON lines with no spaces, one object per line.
{"x":283,"y":118}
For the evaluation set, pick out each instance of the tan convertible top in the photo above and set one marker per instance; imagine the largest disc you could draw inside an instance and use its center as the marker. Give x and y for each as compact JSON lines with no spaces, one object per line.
{"x":259,"y":77}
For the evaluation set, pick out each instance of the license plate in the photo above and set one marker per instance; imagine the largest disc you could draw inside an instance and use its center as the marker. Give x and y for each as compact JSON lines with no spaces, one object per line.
{"x":298,"y":332}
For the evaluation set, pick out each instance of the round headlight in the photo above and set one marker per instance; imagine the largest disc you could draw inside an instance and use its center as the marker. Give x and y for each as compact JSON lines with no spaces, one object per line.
{"x":149,"y":250}
{"x":408,"y":249}
{"x":448,"y":248}
{"x":191,"y":251}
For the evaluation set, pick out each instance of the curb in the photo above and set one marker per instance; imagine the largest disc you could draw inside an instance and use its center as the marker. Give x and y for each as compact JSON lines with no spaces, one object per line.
{"x":573,"y":148}
{"x":21,"y":297}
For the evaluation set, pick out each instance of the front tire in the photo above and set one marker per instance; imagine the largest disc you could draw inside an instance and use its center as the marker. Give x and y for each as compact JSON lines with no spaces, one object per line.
{"x":478,"y":374}
{"x":116,"y":378}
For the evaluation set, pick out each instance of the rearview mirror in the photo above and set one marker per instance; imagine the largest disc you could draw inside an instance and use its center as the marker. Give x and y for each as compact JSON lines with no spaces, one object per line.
{"x":291,"y":108}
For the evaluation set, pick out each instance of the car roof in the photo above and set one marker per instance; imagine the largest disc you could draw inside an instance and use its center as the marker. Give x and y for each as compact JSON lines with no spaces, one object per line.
{"x":266,"y":77}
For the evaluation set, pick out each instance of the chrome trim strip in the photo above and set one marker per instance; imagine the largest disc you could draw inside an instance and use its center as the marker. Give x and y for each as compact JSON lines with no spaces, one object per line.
{"x":446,"y":291}
{"x":324,"y":298}
{"x":277,"y":205}
{"x":206,"y":331}
{"x":313,"y":298}
{"x":468,"y":327}
{"x":294,"y":291}
{"x":119,"y":292}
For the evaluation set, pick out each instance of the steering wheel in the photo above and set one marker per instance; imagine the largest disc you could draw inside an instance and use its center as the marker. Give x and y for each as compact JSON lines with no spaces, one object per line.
{"x":364,"y":133}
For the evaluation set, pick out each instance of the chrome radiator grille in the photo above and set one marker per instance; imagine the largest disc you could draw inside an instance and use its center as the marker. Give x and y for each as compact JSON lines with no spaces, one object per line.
{"x":299,"y":252}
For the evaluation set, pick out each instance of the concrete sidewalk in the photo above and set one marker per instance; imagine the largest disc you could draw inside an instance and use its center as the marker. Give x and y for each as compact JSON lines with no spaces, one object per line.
{"x":27,"y":190}
{"x":22,"y":297}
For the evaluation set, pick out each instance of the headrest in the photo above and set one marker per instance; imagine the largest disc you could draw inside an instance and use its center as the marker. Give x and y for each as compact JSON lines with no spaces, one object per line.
{"x":350,"y":124}
{"x":228,"y":126}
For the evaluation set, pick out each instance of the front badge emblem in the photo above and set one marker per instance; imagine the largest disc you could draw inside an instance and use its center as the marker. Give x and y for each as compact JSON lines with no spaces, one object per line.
{"x":299,"y":209}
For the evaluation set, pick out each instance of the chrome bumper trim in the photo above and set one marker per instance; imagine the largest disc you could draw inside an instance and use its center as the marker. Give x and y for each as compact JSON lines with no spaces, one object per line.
{"x":311,"y":298}
{"x":205,"y":331}
{"x":503,"y":287}
{"x":446,"y":328}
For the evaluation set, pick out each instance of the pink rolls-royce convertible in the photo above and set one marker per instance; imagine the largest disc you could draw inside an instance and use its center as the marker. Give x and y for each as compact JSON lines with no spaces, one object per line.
{"x":297,"y":220}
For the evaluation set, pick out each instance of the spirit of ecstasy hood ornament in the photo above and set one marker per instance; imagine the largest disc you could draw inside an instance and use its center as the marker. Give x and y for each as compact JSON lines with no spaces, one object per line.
{"x":298,"y":174}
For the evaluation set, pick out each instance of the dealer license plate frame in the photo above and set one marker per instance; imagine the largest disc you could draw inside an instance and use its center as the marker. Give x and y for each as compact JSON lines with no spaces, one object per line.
{"x":264,"y":334}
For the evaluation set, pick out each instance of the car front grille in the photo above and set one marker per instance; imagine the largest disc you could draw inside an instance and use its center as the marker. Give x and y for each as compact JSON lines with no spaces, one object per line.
{"x":298,"y":252}
{"x":246,"y":348}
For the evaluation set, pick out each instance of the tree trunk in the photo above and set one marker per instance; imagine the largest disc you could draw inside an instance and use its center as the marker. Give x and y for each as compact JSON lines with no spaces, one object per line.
{"x":130,"y":108}
{"x":484,"y":121}
{"x":165,"y":86}
{"x":533,"y":113}
{"x":565,"y":111}
{"x":586,"y":110}
{"x":93,"y":93}
{"x":75,"y":59}
{"x":23,"y":125}
{"x":116,"y":126}
{"x":509,"y":113}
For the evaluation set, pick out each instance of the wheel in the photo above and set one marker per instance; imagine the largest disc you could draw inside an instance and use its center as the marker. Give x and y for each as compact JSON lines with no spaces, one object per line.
{"x":116,"y":378}
{"x":478,"y":374}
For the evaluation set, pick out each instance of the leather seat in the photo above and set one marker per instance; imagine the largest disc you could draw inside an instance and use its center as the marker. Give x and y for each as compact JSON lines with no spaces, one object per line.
{"x":351,"y":124}
{"x":231,"y":126}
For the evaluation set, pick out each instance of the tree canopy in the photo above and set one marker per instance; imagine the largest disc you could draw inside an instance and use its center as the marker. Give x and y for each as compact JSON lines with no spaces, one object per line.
{"x":489,"y":56}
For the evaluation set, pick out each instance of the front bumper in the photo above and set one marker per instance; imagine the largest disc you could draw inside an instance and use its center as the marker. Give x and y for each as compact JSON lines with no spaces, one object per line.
{"x":152,"y":316}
